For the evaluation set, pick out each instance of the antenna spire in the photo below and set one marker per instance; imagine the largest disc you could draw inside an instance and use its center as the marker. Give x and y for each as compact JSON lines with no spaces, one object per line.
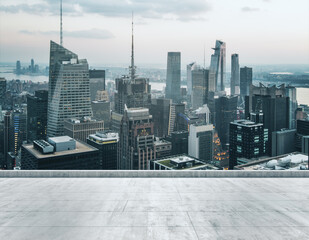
{"x":132,"y":67}
{"x":204,"y":56}
{"x":61,"y":37}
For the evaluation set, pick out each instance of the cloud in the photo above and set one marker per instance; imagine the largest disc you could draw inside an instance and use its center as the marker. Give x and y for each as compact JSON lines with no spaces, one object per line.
{"x":92,"y":33}
{"x":249,"y":9}
{"x":183,"y":10}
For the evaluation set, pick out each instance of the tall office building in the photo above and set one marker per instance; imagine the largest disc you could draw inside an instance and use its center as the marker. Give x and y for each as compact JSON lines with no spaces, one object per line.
{"x":160,"y":111}
{"x":132,"y":93}
{"x":68,"y":88}
{"x":201,"y":142}
{"x":37,"y":115}
{"x":2,"y":91}
{"x":179,"y":142}
{"x":136,"y":144}
{"x":223,"y":110}
{"x":96,"y":82}
{"x":80,"y":129}
{"x":102,"y":111}
{"x":283,"y":142}
{"x":302,"y":130}
{"x":291,"y":93}
{"x":18,"y":130}
{"x":172,"y":90}
{"x":200,"y":80}
{"x":107,"y":144}
{"x":18,"y":68}
{"x":217,"y":68}
{"x":246,"y":141}
{"x":190,"y":68}
{"x":6,"y":135}
{"x":245,"y":81}
{"x":273,"y":103}
{"x":32,"y":66}
{"x":235,"y":78}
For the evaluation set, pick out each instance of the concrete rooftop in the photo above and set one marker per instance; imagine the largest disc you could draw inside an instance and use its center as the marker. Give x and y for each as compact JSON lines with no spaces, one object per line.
{"x":153,"y":208}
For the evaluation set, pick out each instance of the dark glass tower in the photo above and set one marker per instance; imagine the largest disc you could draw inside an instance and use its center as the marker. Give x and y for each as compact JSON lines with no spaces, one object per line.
{"x":37,"y":115}
{"x":245,"y":81}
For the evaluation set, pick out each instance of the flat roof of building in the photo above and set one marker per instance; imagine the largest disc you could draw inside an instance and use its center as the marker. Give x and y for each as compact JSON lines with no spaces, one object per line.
{"x":80,"y":148}
{"x":291,"y":161}
{"x":154,"y":208}
{"x":183,"y":158}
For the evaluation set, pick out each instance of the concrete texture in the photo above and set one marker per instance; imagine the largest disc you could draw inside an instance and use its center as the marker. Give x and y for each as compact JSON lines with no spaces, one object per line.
{"x":154,"y":208}
{"x":154,"y":174}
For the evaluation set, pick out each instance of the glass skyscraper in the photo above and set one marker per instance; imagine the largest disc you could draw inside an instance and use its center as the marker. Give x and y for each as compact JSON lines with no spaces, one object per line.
{"x":172,"y":90}
{"x":217,"y":68}
{"x":235,"y":78}
{"x":68,"y":88}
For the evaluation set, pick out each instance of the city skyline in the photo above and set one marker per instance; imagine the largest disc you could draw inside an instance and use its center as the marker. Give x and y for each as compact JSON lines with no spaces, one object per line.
{"x":91,"y":27}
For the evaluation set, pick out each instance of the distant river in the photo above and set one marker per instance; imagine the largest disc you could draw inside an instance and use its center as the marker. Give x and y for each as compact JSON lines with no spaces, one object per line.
{"x":7,"y":73}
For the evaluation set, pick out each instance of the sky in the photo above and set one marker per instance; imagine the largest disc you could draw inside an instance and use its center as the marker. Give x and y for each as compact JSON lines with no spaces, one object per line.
{"x":260,"y":31}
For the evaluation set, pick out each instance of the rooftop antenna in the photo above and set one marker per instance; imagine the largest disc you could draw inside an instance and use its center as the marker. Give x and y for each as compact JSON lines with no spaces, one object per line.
{"x":61,"y":38}
{"x":132,"y":67}
{"x":204,"y":56}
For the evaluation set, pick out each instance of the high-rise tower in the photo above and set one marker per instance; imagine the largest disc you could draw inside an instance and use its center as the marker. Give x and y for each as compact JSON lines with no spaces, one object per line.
{"x":173,"y":76}
{"x":68,"y":88}
{"x":235,"y":79}
{"x":217,"y":67}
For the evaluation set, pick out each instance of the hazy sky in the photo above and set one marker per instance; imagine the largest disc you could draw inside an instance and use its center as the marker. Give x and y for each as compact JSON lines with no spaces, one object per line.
{"x":260,"y":31}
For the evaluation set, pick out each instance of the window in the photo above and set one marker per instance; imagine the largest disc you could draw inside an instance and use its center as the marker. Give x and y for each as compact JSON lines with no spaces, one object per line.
{"x":239,"y":137}
{"x":239,"y":149}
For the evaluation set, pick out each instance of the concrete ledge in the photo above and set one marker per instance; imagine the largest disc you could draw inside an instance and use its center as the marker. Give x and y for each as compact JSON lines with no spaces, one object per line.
{"x":151,"y":174}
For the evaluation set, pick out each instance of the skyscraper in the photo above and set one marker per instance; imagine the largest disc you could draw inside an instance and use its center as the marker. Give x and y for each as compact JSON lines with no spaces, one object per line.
{"x":2,"y":90}
{"x":136,"y":143}
{"x":245,"y":81}
{"x":172,"y":90}
{"x":68,"y":88}
{"x":201,"y":142}
{"x":217,"y":68}
{"x":97,"y":82}
{"x":223,"y":110}
{"x":160,"y":111}
{"x":18,"y":68}
{"x":291,"y":93}
{"x":107,"y":144}
{"x":235,"y":79}
{"x":37,"y":115}
{"x":190,"y":67}
{"x":273,"y":103}
{"x":246,"y":141}
{"x":200,"y":80}
{"x":136,"y":93}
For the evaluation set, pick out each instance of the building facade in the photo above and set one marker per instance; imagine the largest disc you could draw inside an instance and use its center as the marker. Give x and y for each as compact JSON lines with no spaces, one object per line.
{"x":37,"y":115}
{"x":68,"y":89}
{"x":245,"y":81}
{"x":246,"y":141}
{"x":136,"y":143}
{"x":201,"y":142}
{"x":80,"y":129}
{"x":173,"y":75}
{"x":235,"y":78}
{"x":217,"y":69}
{"x":107,"y":143}
{"x":200,"y":81}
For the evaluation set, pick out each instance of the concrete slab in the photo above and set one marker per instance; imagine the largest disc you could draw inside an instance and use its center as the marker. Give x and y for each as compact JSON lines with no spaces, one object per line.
{"x":154,"y":208}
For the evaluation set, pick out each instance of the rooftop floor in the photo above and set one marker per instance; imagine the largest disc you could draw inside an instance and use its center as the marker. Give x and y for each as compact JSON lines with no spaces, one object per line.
{"x":154,"y":208}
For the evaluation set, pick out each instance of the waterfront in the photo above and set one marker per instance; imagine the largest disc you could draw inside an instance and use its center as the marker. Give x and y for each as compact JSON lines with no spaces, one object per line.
{"x":7,"y":73}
